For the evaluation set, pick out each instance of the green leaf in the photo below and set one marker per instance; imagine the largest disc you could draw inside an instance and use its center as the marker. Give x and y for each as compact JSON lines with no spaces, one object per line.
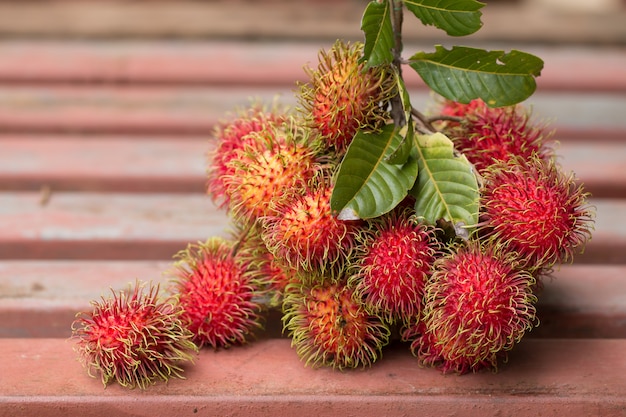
{"x":368,"y":186}
{"x":399,"y":155}
{"x":379,"y":37}
{"x":446,"y":187}
{"x":463,"y":74}
{"x":456,"y":17}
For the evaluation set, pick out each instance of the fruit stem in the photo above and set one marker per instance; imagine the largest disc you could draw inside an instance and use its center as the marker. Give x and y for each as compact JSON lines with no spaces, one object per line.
{"x":244,"y":235}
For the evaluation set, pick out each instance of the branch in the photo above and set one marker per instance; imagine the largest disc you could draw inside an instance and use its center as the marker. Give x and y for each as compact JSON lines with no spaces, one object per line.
{"x":397,"y":114}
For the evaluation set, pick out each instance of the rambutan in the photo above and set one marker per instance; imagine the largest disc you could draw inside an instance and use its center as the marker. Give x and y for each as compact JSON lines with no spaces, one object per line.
{"x":268,"y":275}
{"x":534,"y":208}
{"x":393,"y":262}
{"x":478,"y":304}
{"x":342,"y":96}
{"x":133,"y":338}
{"x":304,"y":233}
{"x":486,"y":135}
{"x":271,"y":171}
{"x":462,"y":110}
{"x":232,"y":137}
{"x":329,"y":327}
{"x":214,"y":291}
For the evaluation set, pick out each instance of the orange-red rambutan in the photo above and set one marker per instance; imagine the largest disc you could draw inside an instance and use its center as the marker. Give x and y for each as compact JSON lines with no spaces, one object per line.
{"x":478,"y":304}
{"x":534,"y":208}
{"x":214,"y":291}
{"x":231,"y":138}
{"x":342,"y":96}
{"x":329,"y":327}
{"x":304,"y":233}
{"x":393,"y":262}
{"x":133,"y":338}
{"x":263,"y":175}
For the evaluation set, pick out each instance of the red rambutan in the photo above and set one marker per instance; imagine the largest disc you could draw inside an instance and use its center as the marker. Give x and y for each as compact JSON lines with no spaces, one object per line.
{"x":461,"y":110}
{"x":232,"y":137}
{"x":214,"y":291}
{"x":133,"y":338}
{"x":304,"y":233}
{"x":394,"y":260}
{"x":342,"y":97}
{"x":478,"y":305}
{"x":487,"y":135}
{"x":329,"y":327}
{"x":533,"y":208}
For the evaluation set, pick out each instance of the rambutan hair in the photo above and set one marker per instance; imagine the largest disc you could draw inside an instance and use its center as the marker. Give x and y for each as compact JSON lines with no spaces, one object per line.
{"x":487,"y":135}
{"x":531,"y":206}
{"x":342,"y":96}
{"x":303,"y":233}
{"x":479,"y":303}
{"x":232,"y":137}
{"x":218,"y":299}
{"x":327,"y":324}
{"x":134,"y":338}
{"x":393,"y":261}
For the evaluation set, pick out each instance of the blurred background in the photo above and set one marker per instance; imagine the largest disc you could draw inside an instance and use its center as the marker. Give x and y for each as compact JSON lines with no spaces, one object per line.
{"x":92,"y":66}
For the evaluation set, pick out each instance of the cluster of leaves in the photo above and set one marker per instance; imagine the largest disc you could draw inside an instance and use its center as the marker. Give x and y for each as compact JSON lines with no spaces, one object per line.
{"x":406,"y":156}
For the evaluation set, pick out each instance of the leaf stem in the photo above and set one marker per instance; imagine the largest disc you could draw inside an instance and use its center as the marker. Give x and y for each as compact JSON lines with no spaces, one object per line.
{"x":397,"y":112}
{"x":425,"y":121}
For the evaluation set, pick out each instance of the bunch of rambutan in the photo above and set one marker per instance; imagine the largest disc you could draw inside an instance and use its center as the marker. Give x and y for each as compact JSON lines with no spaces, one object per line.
{"x":347,"y":287}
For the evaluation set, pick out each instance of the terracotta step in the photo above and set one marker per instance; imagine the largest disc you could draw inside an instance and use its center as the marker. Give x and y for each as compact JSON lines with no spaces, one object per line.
{"x":152,"y":226}
{"x":140,"y":163}
{"x":289,"y":19}
{"x":102,"y":158}
{"x":262,"y":63}
{"x":104,"y":225}
{"x":542,"y":377}
{"x":41,"y":298}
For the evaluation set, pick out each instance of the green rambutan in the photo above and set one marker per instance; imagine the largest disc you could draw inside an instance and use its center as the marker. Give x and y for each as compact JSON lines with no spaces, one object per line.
{"x":486,"y":135}
{"x":329,"y":327}
{"x":533,"y":208}
{"x":478,"y":305}
{"x":304,"y":233}
{"x":133,"y":338}
{"x":215,"y":293}
{"x":342,"y":96}
{"x":393,"y":262}
{"x":270,"y":171}
{"x":232,"y":137}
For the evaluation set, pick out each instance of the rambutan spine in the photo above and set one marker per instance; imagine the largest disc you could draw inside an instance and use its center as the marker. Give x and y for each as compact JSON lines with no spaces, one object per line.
{"x":479,"y":302}
{"x":217,"y":297}
{"x":134,"y":338}
{"x":533,"y":207}
{"x":392,"y":262}
{"x":304,"y":234}
{"x":232,"y":137}
{"x":328,"y":326}
{"x":342,"y":96}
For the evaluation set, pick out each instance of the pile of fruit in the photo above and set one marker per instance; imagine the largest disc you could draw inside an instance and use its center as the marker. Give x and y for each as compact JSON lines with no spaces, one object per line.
{"x":459,"y":295}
